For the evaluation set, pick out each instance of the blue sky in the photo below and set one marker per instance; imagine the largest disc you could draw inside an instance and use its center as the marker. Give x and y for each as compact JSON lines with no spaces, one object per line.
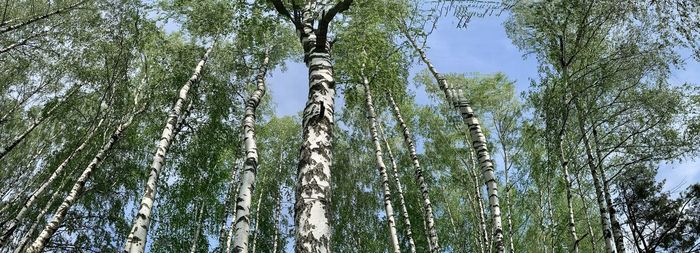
{"x":482,"y":47}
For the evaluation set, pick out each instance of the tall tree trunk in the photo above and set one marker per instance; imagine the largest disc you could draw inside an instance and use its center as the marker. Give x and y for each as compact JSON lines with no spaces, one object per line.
{"x":17,"y":140}
{"x":197,"y":229}
{"x":250,"y":168}
{"x":23,"y":243}
{"x":54,"y":175}
{"x":399,"y":190}
{"x":43,"y":238}
{"x":427,"y":206}
{"x":136,"y":240}
{"x":313,"y":188}
{"x":569,"y":196}
{"x":388,"y":207}
{"x":237,"y":183}
{"x":615,"y":224}
{"x":455,"y":96}
{"x":607,"y":232}
{"x":484,"y":232}
{"x":227,"y":209}
{"x":256,"y":222}
{"x":278,"y":212}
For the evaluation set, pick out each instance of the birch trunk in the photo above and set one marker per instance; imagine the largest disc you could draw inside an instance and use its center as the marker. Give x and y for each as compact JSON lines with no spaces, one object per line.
{"x":237,"y":183}
{"x":427,"y":206}
{"x":250,"y":168}
{"x":607,"y":233}
{"x":54,"y":175}
{"x":399,"y":190}
{"x":136,"y":240}
{"x":227,"y":210}
{"x":257,"y":225}
{"x":569,"y":197}
{"x":23,"y":243}
{"x":278,"y":212}
{"x":479,"y":200}
{"x":313,"y":187}
{"x":615,"y":224}
{"x":313,"y":190}
{"x":455,"y":96}
{"x":198,"y":219}
{"x":381,"y":167}
{"x":43,"y":238}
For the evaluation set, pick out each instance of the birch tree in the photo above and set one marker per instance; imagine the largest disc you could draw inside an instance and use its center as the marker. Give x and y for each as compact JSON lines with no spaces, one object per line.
{"x":313,"y":184}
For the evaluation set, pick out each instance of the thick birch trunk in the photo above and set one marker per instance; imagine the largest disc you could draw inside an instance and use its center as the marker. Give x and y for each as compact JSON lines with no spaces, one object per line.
{"x":136,"y":240}
{"x":427,"y":206}
{"x":250,"y":168}
{"x":569,"y":196}
{"x":23,"y":243}
{"x":399,"y":190}
{"x":43,"y":238}
{"x":381,"y":167}
{"x":257,"y":225}
{"x":199,"y":221}
{"x":313,"y":191}
{"x":455,"y":96}
{"x":607,"y":232}
{"x":54,"y":175}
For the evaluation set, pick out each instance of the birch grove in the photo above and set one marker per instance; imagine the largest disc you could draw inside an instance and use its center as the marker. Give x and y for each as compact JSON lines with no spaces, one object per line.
{"x":321,"y":126}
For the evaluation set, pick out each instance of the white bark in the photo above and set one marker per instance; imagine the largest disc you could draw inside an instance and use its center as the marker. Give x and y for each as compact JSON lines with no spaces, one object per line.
{"x":569,"y":197}
{"x":257,"y":225}
{"x":236,"y":183}
{"x":399,"y":190}
{"x":23,"y":243}
{"x":604,"y":219}
{"x":381,"y":167}
{"x":198,"y":228}
{"x":54,"y":175}
{"x":43,"y":238}
{"x":136,"y":240}
{"x":427,"y":206}
{"x":250,"y":168}
{"x":456,"y":98}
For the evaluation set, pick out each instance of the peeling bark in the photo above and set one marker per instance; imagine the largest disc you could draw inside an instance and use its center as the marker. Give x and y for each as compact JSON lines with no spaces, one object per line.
{"x":43,"y":238}
{"x":381,"y":167}
{"x":427,"y":206}
{"x":136,"y":240}
{"x":313,"y":187}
